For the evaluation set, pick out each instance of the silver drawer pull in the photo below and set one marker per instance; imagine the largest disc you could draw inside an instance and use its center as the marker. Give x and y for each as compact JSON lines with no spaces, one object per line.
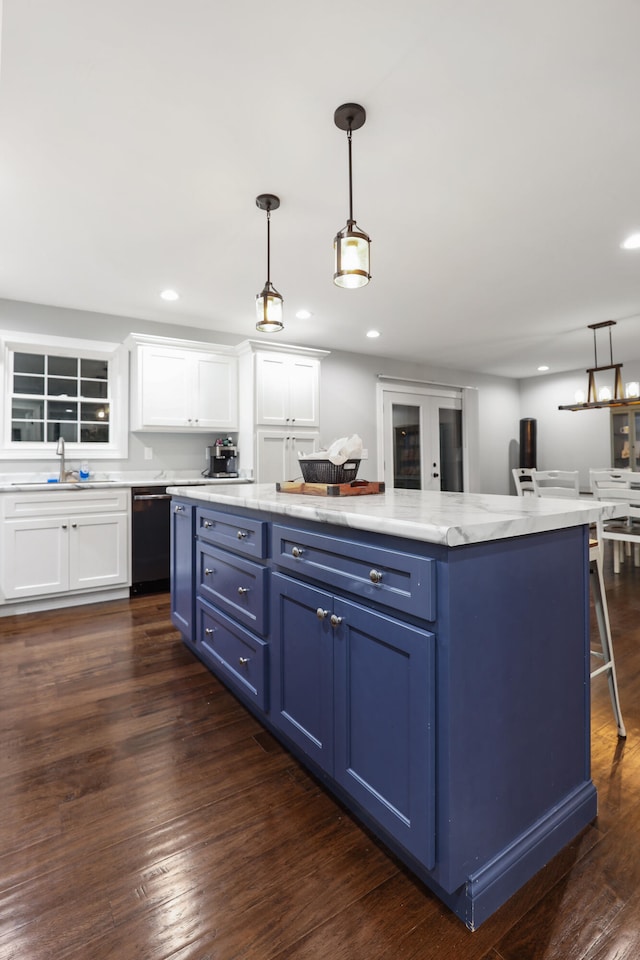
{"x":178,"y":508}
{"x":335,"y":621}
{"x":243,"y":590}
{"x":321,"y":614}
{"x":375,"y":576}
{"x":296,"y":552}
{"x":241,"y":534}
{"x":207,"y":571}
{"x":207,"y":524}
{"x":208,"y":631}
{"x":243,"y":661}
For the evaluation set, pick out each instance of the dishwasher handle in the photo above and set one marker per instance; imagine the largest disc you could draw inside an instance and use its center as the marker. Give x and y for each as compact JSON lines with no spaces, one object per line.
{"x":152,"y":496}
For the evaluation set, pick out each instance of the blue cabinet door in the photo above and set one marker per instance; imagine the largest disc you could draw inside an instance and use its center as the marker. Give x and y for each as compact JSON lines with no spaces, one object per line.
{"x":302,"y":667}
{"x":384,"y":723}
{"x":182,"y":568}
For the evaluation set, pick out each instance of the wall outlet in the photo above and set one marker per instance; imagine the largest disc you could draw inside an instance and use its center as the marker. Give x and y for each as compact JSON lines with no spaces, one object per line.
{"x":148,"y":453}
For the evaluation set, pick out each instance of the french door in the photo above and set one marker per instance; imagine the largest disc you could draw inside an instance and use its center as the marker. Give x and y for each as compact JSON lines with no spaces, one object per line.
{"x":422,"y":439}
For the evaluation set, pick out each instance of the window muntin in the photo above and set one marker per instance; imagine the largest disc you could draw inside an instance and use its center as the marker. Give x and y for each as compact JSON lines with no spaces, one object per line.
{"x":75,"y":404}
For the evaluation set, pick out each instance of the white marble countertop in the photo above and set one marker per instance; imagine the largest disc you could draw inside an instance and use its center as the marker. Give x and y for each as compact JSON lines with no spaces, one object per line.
{"x":451,"y":519}
{"x":18,"y":483}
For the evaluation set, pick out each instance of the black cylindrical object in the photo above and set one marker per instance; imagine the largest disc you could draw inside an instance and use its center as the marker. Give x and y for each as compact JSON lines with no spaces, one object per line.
{"x":528,"y":443}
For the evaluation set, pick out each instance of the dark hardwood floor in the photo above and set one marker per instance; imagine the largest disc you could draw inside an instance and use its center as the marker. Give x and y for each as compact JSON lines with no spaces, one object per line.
{"x":145,"y":814}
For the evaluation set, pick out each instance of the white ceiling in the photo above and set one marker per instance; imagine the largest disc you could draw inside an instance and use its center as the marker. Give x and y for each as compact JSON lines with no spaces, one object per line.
{"x":497,"y":172}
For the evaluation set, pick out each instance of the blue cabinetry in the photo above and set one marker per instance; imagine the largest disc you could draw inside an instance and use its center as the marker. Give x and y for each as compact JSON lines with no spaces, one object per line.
{"x":442,"y":693}
{"x":182,"y":567}
{"x":354,"y":689}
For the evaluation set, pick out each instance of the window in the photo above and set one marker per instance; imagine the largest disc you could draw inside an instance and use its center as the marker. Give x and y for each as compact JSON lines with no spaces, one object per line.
{"x":64,"y":388}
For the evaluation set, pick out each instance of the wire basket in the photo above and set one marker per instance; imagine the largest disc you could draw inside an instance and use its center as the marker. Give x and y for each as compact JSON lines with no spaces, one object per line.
{"x":323,"y":471}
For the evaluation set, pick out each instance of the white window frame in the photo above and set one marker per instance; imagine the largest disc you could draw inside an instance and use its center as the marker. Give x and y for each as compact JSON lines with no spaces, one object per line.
{"x":117,"y":359}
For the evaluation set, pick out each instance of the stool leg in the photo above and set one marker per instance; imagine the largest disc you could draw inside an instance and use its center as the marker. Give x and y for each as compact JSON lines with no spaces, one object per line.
{"x":602,"y":616}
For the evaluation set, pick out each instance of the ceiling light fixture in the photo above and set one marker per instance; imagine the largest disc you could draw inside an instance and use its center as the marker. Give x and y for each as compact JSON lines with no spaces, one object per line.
{"x":632,"y":242}
{"x":269,"y":302}
{"x":543,"y":368}
{"x":604,"y":397}
{"x":170,"y":295}
{"x":303,"y":314}
{"x":372,"y":334}
{"x":351,"y":245}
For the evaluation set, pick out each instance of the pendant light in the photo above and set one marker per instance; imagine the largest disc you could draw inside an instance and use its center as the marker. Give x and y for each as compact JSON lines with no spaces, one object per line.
{"x":351,"y":245}
{"x":603,"y":397}
{"x":269,"y":302}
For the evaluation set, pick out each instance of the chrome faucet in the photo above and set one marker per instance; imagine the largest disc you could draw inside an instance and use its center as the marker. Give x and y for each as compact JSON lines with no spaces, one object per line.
{"x":60,"y":453}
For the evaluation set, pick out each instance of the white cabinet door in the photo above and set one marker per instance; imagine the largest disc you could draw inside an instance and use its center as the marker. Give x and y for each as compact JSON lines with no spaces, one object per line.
{"x":35,"y":557}
{"x":287,"y":390}
{"x":304,"y":391}
{"x":277,"y":454}
{"x":216,"y":392}
{"x":99,"y":551}
{"x":165,"y":385}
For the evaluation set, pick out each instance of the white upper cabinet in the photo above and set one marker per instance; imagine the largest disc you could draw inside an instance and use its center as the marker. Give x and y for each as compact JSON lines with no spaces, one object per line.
{"x":287,"y":390}
{"x":179,"y":386}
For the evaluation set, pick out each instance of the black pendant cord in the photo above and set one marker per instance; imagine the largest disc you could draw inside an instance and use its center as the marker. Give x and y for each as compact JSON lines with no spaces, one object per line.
{"x":268,"y":247}
{"x":350,"y":178}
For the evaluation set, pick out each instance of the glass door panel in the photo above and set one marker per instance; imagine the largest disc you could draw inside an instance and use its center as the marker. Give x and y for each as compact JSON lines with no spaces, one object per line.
{"x":450,"y":424}
{"x":407,"y":457}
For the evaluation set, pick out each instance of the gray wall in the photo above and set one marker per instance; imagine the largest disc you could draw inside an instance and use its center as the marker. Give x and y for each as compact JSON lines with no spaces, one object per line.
{"x":348,"y":393}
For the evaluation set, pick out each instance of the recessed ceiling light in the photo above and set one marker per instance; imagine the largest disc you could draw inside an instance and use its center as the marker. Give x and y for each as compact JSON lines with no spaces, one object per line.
{"x":170,"y":295}
{"x":632,"y":242}
{"x":372,"y":334}
{"x":543,"y":368}
{"x":303,"y":314}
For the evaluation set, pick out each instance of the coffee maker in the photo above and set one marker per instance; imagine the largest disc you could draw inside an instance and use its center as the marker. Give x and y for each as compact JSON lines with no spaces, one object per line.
{"x":223,"y":460}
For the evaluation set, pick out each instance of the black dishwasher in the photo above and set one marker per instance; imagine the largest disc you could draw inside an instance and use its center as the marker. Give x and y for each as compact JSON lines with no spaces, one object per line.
{"x":150,"y":539}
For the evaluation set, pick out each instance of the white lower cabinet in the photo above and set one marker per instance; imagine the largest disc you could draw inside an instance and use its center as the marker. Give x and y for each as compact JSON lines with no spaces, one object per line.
{"x":63,"y":542}
{"x":277,"y":453}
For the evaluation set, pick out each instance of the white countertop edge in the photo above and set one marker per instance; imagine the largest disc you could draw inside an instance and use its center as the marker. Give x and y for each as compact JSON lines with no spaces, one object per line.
{"x":450,"y":519}
{"x":26,"y":486}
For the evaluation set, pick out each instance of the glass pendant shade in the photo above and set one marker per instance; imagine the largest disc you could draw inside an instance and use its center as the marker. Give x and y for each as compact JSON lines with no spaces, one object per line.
{"x":269,"y":310}
{"x":351,"y":248}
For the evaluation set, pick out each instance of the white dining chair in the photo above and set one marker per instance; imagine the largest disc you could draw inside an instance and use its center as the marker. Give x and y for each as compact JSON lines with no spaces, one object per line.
{"x":615,"y":485}
{"x":565,"y":483}
{"x":523,"y":480}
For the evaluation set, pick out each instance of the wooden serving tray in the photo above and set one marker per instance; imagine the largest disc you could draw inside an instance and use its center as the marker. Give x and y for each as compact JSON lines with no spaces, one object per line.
{"x":354,"y":489}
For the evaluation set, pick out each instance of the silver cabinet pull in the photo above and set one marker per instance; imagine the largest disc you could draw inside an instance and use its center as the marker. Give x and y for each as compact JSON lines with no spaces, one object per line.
{"x":321,"y":614}
{"x":208,"y":631}
{"x":207,"y":571}
{"x":296,"y":552}
{"x":178,"y":508}
{"x":64,"y":526}
{"x":241,"y":534}
{"x":243,"y":590}
{"x":335,"y":621}
{"x":375,"y":576}
{"x":243,"y":661}
{"x":207,"y":524}
{"x":74,"y":525}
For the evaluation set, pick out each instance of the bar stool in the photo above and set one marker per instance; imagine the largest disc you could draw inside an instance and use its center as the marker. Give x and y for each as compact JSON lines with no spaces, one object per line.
{"x":565,"y":483}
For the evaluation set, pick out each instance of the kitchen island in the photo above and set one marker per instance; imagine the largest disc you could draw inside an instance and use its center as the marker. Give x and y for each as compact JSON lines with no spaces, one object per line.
{"x":425,"y":654}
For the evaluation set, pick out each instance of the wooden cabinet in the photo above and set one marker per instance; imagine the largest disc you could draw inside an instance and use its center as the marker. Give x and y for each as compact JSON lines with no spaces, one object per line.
{"x":625,"y":438}
{"x":179,"y":386}
{"x":279,"y":408}
{"x":277,"y":453}
{"x":182,"y":566}
{"x":58,"y":542}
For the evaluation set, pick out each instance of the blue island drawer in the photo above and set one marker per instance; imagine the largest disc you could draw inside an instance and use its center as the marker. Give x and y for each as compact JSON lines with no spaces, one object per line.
{"x":242,"y":534}
{"x":236,"y":585}
{"x":403,"y":581}
{"x":232,"y":652}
